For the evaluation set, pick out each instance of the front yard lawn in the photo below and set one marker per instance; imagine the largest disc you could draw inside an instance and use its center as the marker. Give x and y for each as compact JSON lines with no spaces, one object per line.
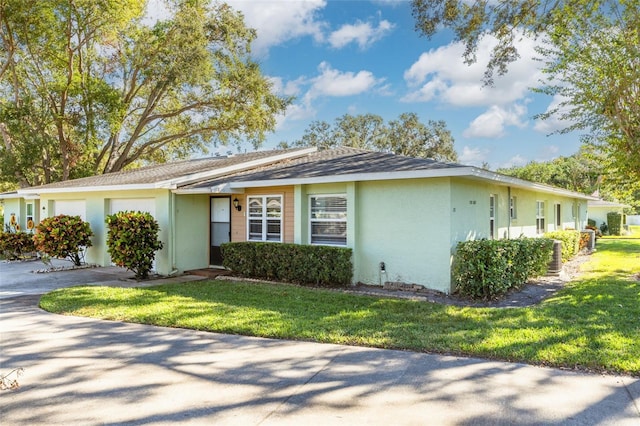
{"x":592,"y":324}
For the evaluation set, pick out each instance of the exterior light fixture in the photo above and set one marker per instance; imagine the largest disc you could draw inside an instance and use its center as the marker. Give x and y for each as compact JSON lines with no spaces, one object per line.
{"x":236,"y":204}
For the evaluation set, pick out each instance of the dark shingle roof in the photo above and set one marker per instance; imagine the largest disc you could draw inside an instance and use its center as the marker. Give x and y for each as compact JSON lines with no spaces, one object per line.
{"x":162,"y":172}
{"x":335,"y":162}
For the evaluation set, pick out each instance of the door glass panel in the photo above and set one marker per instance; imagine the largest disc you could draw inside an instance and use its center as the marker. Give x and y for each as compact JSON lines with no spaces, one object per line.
{"x":219,"y":233}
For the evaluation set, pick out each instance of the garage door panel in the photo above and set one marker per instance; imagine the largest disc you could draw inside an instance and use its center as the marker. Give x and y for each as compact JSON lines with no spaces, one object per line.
{"x":70,"y":208}
{"x":133,"y":204}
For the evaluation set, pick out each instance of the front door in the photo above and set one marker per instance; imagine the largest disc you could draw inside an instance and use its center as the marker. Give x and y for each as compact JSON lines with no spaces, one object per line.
{"x":220,"y":227}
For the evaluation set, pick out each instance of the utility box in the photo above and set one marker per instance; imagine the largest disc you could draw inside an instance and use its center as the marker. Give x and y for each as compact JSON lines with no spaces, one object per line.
{"x":555,"y":266}
{"x":591,"y":245}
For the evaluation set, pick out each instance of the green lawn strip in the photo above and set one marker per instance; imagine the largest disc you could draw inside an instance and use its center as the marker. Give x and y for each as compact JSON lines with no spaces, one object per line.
{"x":592,"y":324}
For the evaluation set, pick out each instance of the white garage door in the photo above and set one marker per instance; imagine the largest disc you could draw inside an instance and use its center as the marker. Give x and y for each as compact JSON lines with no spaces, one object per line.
{"x":71,"y":208}
{"x":133,"y":204}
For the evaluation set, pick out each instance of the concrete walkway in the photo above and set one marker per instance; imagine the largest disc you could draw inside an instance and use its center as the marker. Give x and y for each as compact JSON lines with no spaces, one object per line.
{"x":80,"y":371}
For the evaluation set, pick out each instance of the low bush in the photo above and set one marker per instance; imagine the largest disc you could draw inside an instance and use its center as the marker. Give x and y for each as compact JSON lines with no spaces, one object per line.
{"x":614,"y":223}
{"x":63,"y":237}
{"x":132,"y":241}
{"x":301,"y":264}
{"x":487,"y":269}
{"x":570,"y":242}
{"x":16,"y":245}
{"x":591,"y":223}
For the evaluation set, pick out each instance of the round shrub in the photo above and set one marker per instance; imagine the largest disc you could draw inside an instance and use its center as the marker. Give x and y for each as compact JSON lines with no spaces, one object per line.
{"x":16,"y":245}
{"x":132,"y":241}
{"x":63,"y":237}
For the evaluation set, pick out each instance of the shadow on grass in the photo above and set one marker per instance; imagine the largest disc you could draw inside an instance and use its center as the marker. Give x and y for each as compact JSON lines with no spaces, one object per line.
{"x":592,"y":325}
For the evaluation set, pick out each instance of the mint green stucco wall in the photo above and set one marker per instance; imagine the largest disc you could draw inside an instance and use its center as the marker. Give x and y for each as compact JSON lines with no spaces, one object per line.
{"x":470,"y":200}
{"x":192,"y":232}
{"x":405,"y":224}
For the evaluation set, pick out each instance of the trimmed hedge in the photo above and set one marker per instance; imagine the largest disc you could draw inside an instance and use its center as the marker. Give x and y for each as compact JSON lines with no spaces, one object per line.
{"x":614,"y":223}
{"x":570,"y":242}
{"x":301,"y":264}
{"x":487,"y":269}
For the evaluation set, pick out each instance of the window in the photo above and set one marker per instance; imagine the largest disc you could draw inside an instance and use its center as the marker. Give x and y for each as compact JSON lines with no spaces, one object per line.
{"x":540,"y":217}
{"x":492,"y":217}
{"x":513,"y":210}
{"x":558,"y":213}
{"x":328,"y":219}
{"x":264,"y":221}
{"x":31,"y":223}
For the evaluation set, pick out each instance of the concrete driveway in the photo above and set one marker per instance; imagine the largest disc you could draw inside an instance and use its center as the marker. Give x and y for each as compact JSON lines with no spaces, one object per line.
{"x":82,"y":371}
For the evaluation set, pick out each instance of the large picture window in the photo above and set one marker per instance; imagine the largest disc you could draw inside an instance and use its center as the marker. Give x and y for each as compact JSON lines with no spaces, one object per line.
{"x":328,"y":219}
{"x":264,"y":221}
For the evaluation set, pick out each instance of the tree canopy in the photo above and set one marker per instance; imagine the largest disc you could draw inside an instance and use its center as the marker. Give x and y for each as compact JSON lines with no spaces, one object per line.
{"x":590,"y":53}
{"x":89,"y":87}
{"x":406,"y":135}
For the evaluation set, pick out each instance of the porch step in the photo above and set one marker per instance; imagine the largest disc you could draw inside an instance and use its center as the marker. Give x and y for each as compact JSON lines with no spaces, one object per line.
{"x":208,"y":272}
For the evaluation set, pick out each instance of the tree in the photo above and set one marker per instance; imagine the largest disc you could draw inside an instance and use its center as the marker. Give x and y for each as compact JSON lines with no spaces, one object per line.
{"x":404,"y":136}
{"x":86,"y":87}
{"x":591,"y":55}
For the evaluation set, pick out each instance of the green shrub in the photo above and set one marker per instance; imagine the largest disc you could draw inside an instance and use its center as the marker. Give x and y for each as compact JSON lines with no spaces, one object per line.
{"x":16,"y":245}
{"x":132,"y":241}
{"x":570,"y":242}
{"x":63,"y":237}
{"x":486,"y":269}
{"x":301,"y":264}
{"x":614,"y":223}
{"x":591,"y":222}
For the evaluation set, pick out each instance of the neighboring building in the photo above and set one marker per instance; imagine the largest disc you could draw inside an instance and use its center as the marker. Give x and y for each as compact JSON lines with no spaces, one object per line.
{"x":408,"y":213}
{"x":598,"y":209}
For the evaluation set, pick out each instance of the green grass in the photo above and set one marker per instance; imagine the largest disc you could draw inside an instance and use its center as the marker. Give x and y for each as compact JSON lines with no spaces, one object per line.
{"x":593,"y":324}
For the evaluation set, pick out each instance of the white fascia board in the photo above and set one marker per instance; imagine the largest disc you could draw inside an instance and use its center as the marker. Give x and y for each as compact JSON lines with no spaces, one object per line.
{"x":185,"y":180}
{"x":470,"y":172}
{"x":10,"y":196}
{"x":217,"y":189}
{"x":76,"y":189}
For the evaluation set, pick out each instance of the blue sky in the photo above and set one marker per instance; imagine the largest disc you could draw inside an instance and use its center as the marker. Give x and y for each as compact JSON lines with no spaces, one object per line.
{"x":359,"y":57}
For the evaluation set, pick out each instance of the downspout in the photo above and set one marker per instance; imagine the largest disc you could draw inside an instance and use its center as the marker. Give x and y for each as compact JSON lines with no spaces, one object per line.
{"x":172,"y":232}
{"x":509,"y":212}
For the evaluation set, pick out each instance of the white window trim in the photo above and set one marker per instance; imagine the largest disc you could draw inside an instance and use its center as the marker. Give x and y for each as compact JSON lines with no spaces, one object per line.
{"x":325,"y":220}
{"x":513,"y":207}
{"x":264,"y":218}
{"x":493,"y":232}
{"x":540,"y":215}
{"x":557,"y":208}
{"x":28,"y":216}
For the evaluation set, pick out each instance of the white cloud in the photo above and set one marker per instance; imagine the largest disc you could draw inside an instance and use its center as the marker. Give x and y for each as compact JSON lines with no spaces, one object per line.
{"x":328,"y":83}
{"x":332,"y":82}
{"x":473,"y":156}
{"x":362,"y":33}
{"x":442,"y":74}
{"x":280,"y":21}
{"x":553,"y":123}
{"x":492,"y":123}
{"x":515,"y":161}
